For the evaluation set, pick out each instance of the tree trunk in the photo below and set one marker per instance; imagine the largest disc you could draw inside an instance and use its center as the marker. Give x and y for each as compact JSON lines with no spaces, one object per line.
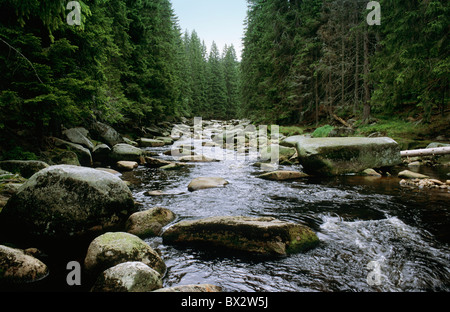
{"x":356,"y":100}
{"x":426,"y":152}
{"x":316,"y":91}
{"x":366,"y":111}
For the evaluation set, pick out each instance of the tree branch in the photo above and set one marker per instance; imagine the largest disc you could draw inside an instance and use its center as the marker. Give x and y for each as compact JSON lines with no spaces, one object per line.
{"x":18,"y":52}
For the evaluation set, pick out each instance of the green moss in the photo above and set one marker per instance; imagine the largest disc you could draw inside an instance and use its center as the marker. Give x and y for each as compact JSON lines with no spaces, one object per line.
{"x":322,"y":132}
{"x":302,"y":239}
{"x":291,"y":130}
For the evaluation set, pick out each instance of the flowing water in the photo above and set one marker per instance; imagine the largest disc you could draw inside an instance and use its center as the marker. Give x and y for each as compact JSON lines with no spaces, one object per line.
{"x":375,"y":236}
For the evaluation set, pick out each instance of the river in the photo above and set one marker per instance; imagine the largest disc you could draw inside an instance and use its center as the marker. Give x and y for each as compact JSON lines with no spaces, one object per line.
{"x":375,"y":235}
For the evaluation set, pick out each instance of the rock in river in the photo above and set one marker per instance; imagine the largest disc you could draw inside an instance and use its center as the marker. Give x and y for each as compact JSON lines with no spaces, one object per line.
{"x":149,"y":222}
{"x":65,"y":201}
{"x":113,"y":248}
{"x":205,"y":183}
{"x":133,"y":276}
{"x":282,"y":175}
{"x":260,"y":235}
{"x":336,"y":156}
{"x":125,"y":152}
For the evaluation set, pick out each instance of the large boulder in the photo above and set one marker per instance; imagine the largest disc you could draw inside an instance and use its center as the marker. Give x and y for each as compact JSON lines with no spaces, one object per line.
{"x":65,"y":201}
{"x":206,"y":182}
{"x":18,"y":267}
{"x":78,"y":136}
{"x":84,"y":154}
{"x":133,"y":276}
{"x":105,"y":133}
{"x":113,"y":248}
{"x":149,"y":222}
{"x":260,"y":235}
{"x":336,"y":156}
{"x":125,"y":152}
{"x":26,"y":168}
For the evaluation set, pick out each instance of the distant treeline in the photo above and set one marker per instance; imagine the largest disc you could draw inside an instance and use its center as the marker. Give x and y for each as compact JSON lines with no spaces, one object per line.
{"x":305,"y":60}
{"x":127,"y":63}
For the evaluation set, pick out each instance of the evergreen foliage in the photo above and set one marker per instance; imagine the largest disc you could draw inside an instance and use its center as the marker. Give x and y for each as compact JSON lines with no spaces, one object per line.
{"x":307,"y":60}
{"x":128,"y":64}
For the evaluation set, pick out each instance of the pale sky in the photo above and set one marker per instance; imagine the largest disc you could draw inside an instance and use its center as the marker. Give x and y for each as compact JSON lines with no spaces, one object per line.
{"x":221,"y":21}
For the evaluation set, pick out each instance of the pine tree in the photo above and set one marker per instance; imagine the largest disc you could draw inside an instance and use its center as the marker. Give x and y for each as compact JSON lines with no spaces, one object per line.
{"x":216,"y":92}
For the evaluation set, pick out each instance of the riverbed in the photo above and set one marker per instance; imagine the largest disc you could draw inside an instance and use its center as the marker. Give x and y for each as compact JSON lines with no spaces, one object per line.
{"x":375,"y":235}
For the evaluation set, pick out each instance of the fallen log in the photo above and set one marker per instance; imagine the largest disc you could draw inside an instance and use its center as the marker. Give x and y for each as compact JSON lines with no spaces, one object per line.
{"x":426,"y":152}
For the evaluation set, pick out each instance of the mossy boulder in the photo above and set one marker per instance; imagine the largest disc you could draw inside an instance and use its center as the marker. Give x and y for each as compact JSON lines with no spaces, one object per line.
{"x":258,"y":235}
{"x":63,"y":201}
{"x":133,"y":276}
{"x":26,"y":168}
{"x":337,"y":156}
{"x":83,"y":153}
{"x":113,"y":248}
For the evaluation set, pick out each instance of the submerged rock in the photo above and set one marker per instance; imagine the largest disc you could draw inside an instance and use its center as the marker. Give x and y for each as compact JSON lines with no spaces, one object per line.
{"x":18,"y":267}
{"x":149,"y":222}
{"x":259,"y":235}
{"x":131,"y":276}
{"x":206,"y":182}
{"x":336,"y":156}
{"x":113,"y":248}
{"x":65,"y":201}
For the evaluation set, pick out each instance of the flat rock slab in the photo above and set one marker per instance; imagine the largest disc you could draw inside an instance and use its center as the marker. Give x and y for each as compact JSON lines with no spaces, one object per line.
{"x":283,"y":175}
{"x":336,"y":156}
{"x":258,"y":235}
{"x":205,"y":183}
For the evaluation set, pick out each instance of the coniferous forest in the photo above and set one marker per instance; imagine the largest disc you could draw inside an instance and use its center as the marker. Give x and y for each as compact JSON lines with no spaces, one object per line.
{"x":129,"y":64}
{"x":321,"y":162}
